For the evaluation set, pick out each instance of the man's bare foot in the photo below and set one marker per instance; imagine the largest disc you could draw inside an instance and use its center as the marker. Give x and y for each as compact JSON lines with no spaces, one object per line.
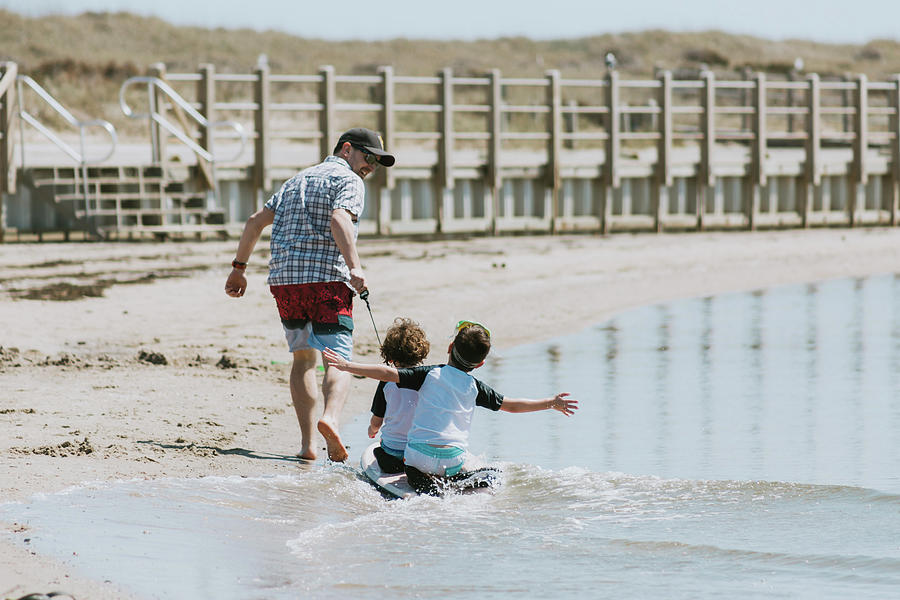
{"x":336,"y":450}
{"x":306,"y":455}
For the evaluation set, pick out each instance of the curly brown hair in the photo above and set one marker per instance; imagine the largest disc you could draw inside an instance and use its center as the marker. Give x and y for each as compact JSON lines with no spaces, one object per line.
{"x":405,"y":344}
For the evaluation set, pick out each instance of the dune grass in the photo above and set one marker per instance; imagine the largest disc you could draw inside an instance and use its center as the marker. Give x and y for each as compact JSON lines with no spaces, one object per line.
{"x":84,"y":59}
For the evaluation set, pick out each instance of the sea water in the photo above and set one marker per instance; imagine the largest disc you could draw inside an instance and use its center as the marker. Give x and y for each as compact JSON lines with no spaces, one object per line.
{"x":738,"y":446}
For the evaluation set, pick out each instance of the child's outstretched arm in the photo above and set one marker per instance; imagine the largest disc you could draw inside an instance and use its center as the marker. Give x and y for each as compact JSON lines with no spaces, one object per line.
{"x":379,"y":372}
{"x":560,"y":402}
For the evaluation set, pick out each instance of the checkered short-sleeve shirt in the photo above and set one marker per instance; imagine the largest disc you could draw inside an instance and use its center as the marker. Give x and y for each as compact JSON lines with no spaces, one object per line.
{"x":303,"y":249}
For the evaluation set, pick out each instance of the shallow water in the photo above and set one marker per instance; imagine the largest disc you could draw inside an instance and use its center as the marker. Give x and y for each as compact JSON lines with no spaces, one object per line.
{"x":798,"y":383}
{"x":736,"y":446}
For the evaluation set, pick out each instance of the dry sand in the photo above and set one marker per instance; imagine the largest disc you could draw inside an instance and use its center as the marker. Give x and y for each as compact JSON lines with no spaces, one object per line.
{"x":127,"y":360}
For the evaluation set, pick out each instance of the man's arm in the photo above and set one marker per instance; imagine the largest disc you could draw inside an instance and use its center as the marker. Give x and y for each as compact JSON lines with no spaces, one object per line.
{"x":236,"y":284}
{"x":342,"y":230}
{"x":560,"y":402}
{"x":379,"y":372}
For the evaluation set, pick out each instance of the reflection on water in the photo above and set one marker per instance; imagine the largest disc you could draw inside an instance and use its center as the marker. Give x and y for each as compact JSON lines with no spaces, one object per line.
{"x":739,"y":446}
{"x":796,"y":384}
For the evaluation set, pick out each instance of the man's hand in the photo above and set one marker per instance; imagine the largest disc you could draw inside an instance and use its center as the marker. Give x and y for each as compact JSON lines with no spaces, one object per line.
{"x":236,"y":284}
{"x":358,"y":279}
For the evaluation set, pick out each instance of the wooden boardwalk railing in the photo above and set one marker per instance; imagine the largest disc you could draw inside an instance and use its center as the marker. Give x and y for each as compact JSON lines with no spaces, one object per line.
{"x":652,"y":153}
{"x":490,"y":153}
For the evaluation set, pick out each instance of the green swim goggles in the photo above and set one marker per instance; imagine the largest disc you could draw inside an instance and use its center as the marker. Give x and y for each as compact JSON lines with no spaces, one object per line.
{"x":463,"y":324}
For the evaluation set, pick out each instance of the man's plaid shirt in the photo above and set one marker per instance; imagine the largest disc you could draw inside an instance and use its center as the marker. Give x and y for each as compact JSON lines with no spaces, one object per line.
{"x":303,"y":249}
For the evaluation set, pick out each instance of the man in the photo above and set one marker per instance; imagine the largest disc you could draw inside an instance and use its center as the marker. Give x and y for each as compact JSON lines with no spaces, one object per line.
{"x":313,"y":272}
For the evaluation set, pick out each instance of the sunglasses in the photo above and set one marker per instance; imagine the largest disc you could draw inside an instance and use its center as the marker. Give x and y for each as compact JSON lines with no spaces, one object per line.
{"x":370,"y":158}
{"x":463,"y":324}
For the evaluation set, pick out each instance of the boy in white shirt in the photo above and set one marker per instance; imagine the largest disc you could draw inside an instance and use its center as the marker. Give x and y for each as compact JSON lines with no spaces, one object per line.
{"x":405,"y":346}
{"x":438,"y":437}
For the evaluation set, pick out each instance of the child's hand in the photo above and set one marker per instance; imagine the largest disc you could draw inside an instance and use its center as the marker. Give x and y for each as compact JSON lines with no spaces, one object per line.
{"x":334,"y":359}
{"x":563,"y":404}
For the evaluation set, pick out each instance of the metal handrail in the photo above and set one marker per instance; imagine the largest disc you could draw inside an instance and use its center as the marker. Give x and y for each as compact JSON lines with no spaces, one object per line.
{"x":154,"y":116}
{"x":27,"y":117}
{"x":79,"y":157}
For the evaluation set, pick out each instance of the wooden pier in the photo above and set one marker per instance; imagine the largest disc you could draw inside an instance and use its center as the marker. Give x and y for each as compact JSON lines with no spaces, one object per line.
{"x":491,"y":154}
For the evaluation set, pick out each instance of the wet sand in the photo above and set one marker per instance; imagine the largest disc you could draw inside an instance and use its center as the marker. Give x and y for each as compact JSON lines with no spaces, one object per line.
{"x":127,"y":360}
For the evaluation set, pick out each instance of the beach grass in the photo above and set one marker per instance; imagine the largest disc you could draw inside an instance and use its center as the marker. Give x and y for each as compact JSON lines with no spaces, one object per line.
{"x":84,"y":59}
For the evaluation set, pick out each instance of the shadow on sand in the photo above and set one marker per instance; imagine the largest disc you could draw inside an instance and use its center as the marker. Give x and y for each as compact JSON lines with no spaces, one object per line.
{"x":195,"y":448}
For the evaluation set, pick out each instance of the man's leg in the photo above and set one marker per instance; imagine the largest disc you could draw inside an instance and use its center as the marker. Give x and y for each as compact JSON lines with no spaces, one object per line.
{"x":304,"y":393}
{"x":335,"y":388}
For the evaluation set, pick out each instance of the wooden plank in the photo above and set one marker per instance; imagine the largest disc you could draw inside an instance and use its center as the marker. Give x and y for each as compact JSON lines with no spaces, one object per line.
{"x":8,"y":72}
{"x":554,"y":145}
{"x":328,"y":99}
{"x":261,"y":147}
{"x":388,"y":180}
{"x":444,"y":182}
{"x":664,"y":179}
{"x":757,"y":179}
{"x":812,"y":174}
{"x":705,"y":177}
{"x":895,"y":150}
{"x":388,"y":119}
{"x":612,"y":181}
{"x":158,"y":135}
{"x":860,"y":177}
{"x":445,"y":145}
{"x":613,"y":130}
{"x":206,"y":97}
{"x":494,"y":181}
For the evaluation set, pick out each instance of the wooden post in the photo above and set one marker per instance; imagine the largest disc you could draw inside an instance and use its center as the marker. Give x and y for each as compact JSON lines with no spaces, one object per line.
{"x":846,"y":100}
{"x":554,"y":145}
{"x":8,"y":72}
{"x":895,"y":149}
{"x":571,"y":124}
{"x":206,"y":97}
{"x":791,"y":77}
{"x":746,"y":99}
{"x":158,"y":135}
{"x":327,"y":125}
{"x":494,"y":182}
{"x":261,"y":147}
{"x":388,"y":179}
{"x":812,"y":175}
{"x":757,"y":179}
{"x":664,"y":179}
{"x":705,"y":178}
{"x":860,"y":176}
{"x":612,"y":181}
{"x":445,"y":151}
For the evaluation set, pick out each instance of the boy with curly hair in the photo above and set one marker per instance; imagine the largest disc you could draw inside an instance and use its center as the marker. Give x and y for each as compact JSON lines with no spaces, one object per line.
{"x":405,"y":346}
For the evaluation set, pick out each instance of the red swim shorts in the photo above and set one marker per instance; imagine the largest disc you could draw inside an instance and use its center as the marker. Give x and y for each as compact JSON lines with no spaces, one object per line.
{"x":328,"y":305}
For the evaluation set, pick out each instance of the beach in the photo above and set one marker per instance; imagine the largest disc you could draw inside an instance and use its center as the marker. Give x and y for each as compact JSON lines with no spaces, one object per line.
{"x":124,"y":361}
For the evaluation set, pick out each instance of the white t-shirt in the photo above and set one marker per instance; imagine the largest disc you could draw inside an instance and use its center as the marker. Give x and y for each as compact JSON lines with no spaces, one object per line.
{"x":447,"y":400}
{"x":396,"y":406}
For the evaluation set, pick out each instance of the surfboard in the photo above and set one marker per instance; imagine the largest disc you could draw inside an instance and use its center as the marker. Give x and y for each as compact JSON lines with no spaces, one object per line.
{"x":396,"y":485}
